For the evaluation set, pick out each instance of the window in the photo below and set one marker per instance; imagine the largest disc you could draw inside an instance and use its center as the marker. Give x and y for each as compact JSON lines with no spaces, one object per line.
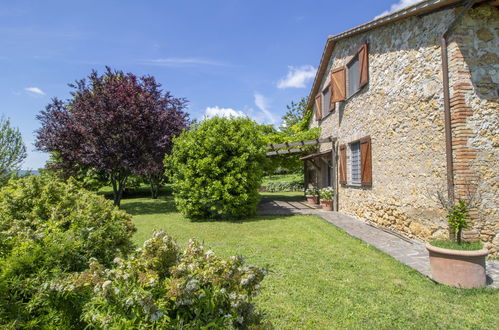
{"x":355,"y":163}
{"x":326,"y":98}
{"x":318,"y":107}
{"x":356,"y":169}
{"x":353,"y":76}
{"x":348,"y":80}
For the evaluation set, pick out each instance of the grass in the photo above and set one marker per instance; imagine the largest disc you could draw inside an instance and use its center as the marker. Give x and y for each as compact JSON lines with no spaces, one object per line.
{"x":322,"y":278}
{"x":464,"y":246}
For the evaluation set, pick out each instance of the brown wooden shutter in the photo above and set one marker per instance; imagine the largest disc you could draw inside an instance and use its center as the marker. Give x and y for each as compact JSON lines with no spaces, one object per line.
{"x":343,"y":164}
{"x":332,"y":103}
{"x":338,"y":82}
{"x":318,"y":106}
{"x":363,"y":65}
{"x":366,"y":162}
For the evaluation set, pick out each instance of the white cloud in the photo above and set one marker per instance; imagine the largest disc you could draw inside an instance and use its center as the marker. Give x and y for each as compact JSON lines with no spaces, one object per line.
{"x":183,"y":61}
{"x":222,"y":112}
{"x":262,"y":103}
{"x":397,"y":6}
{"x":35,"y":90}
{"x":297,"y":77}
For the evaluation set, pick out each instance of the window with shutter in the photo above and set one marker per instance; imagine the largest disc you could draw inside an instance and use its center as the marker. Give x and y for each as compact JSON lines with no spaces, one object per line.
{"x":338,"y":83}
{"x":357,"y":71}
{"x":366,"y":162}
{"x":353,"y":76}
{"x":355,"y":163}
{"x":355,"y":169}
{"x":318,"y":107}
{"x":343,"y":164}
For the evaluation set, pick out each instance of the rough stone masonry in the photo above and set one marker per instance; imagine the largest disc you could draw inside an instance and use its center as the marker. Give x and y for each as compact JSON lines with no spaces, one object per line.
{"x":401,"y":109}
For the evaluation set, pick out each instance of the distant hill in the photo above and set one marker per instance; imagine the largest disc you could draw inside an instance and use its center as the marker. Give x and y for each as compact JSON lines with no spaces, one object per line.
{"x":27,"y":172}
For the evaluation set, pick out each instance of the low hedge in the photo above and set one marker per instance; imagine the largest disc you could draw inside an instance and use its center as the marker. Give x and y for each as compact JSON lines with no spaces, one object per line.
{"x":280,"y":186}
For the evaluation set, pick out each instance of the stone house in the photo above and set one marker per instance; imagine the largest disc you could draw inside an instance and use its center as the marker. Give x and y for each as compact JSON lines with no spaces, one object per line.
{"x":410,"y":103}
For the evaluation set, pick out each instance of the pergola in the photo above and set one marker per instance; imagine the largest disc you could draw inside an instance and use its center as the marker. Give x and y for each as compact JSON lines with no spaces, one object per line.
{"x":303,"y":146}
{"x":295,"y":147}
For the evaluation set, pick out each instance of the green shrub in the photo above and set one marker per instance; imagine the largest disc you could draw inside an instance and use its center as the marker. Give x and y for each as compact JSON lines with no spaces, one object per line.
{"x":217,"y":167}
{"x":161,"y":287}
{"x":47,"y":229}
{"x":133,"y":183}
{"x":457,"y":218}
{"x":278,"y":186}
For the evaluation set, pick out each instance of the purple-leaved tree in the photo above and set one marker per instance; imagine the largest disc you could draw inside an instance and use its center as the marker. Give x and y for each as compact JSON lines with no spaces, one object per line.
{"x":117,"y":123}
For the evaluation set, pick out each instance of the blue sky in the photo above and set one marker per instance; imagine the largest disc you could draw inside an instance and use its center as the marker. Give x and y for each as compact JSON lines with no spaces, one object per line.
{"x":225,"y":56}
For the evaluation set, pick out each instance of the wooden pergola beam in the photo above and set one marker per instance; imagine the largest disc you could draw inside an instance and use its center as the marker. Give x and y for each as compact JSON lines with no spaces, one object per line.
{"x":299,"y":143}
{"x":284,"y":152}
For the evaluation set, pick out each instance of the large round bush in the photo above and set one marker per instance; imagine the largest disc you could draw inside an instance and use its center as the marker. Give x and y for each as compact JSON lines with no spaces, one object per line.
{"x":48,"y":229}
{"x":217,"y":167}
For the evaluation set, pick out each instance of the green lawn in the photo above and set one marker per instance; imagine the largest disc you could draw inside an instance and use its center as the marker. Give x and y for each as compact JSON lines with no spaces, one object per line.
{"x":322,"y":278}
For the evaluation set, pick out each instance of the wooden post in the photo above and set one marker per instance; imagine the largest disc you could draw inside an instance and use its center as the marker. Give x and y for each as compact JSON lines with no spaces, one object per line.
{"x":305,"y":177}
{"x":334,"y":169}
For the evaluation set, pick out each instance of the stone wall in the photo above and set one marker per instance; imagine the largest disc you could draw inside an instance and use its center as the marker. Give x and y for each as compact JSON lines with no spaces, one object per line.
{"x":474,"y":73}
{"x":401,"y":109}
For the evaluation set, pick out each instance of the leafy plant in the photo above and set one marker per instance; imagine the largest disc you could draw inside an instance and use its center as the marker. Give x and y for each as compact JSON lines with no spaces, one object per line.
{"x":294,"y":128}
{"x":115,"y":123}
{"x":49,"y":228}
{"x":160,"y":286}
{"x":458,"y":213}
{"x":295,"y":185}
{"x":133,"y":183}
{"x":217,"y":167}
{"x":327,"y":193}
{"x":458,"y":218}
{"x":12,"y":149}
{"x":312,"y":191}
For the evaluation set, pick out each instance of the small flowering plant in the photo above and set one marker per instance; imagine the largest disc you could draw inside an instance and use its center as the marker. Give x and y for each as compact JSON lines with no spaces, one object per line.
{"x":327,"y":194}
{"x":312,"y":192}
{"x":161,"y":286}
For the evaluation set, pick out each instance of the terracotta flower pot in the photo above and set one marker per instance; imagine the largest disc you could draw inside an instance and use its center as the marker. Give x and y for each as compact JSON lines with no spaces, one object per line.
{"x":463,"y":269}
{"x":327,"y":205}
{"x":312,"y":200}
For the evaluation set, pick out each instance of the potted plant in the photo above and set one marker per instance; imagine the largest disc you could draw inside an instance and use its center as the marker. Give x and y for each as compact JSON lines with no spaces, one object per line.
{"x":327,"y":195}
{"x":453,"y":261}
{"x":312,"y":195}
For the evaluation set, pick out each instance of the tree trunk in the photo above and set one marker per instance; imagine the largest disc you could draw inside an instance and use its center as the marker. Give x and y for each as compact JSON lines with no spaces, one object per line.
{"x":118,"y":181}
{"x":155,"y":183}
{"x":154,"y":190}
{"x":452,"y":234}
{"x":459,"y":235}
